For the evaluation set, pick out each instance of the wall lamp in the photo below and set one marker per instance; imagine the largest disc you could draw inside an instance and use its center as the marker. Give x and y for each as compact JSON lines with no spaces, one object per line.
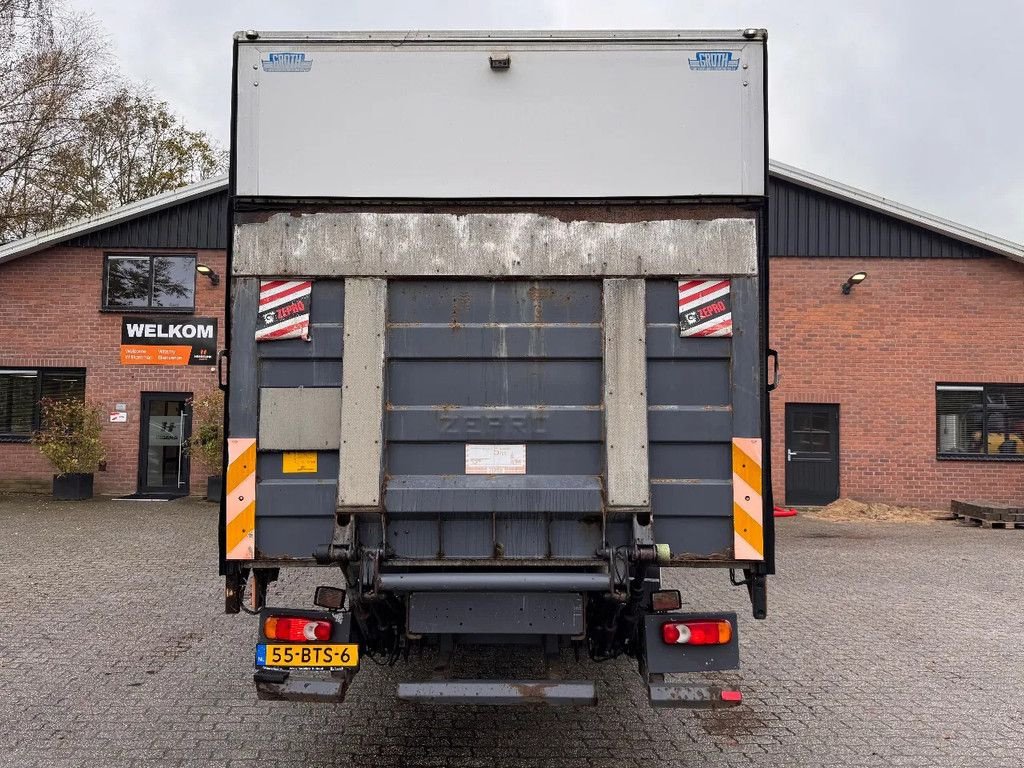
{"x":855,"y":279}
{"x":204,"y":270}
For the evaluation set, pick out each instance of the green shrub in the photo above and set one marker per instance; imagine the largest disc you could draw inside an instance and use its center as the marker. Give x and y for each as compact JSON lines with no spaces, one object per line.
{"x":70,"y":435}
{"x":207,"y":441}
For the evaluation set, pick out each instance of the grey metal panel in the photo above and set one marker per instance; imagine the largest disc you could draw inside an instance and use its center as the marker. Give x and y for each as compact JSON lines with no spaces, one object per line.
{"x":193,"y":224}
{"x":459,"y":302}
{"x":499,"y":612}
{"x":689,"y":424}
{"x":664,"y":341}
{"x":577,"y":538}
{"x":625,"y":393}
{"x":551,"y":458}
{"x":325,"y":341}
{"x":466,"y":536}
{"x":294,"y":498}
{"x":242,"y":372}
{"x":429,"y":494}
{"x":692,"y":498}
{"x":747,"y":365}
{"x":694,"y":537}
{"x":291,"y":537}
{"x":806,"y":222}
{"x":283,"y":372}
{"x":688,"y":382}
{"x":362,"y":411}
{"x":299,"y":418}
{"x":496,"y":244}
{"x":515,"y":424}
{"x":567,"y":119}
{"x":494,"y":382}
{"x":494,"y":341}
{"x":698,"y":461}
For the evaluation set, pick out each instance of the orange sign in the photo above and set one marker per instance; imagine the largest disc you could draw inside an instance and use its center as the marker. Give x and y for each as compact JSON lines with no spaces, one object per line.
{"x":147,"y":340}
{"x":138,"y":354}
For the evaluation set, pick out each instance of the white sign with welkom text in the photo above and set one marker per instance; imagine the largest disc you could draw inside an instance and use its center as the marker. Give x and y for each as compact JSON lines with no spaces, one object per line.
{"x":495,"y":459}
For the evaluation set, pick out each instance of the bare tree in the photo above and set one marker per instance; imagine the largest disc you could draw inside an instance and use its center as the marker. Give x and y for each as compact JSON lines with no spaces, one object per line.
{"x":54,"y":62}
{"x":130,"y":146}
{"x":73,"y":140}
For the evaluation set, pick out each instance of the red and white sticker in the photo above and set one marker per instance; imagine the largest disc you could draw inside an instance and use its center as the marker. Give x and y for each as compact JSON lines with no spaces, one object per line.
{"x":705,"y":308}
{"x":284,"y":310}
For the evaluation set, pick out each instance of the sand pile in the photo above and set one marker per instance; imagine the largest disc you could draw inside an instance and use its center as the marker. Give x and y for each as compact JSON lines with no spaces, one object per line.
{"x":848,"y":511}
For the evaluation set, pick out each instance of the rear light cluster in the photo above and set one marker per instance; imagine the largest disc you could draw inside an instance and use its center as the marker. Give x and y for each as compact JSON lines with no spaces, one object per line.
{"x":700,"y":632}
{"x":296,"y":629}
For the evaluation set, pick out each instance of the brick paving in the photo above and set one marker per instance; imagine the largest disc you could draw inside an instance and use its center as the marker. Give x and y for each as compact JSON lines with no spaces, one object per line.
{"x":887,"y":645}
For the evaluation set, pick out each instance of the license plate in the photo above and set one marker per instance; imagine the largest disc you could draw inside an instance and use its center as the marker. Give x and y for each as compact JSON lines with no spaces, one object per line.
{"x":306,"y":656}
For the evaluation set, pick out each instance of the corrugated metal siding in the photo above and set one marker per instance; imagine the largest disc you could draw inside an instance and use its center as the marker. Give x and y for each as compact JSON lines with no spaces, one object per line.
{"x":803,"y":222}
{"x":198,"y":223}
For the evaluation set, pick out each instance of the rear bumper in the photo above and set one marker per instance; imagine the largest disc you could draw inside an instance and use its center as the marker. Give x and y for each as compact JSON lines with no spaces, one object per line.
{"x":549,"y":692}
{"x":279,"y":685}
{"x":678,"y":695}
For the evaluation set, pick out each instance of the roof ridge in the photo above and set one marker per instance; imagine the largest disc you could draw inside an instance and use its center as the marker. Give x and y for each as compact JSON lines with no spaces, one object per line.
{"x":784,"y":171}
{"x":50,"y":237}
{"x":907,"y":213}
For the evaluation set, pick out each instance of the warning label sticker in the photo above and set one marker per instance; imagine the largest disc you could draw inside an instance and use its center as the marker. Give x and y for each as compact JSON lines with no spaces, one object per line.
{"x":495,"y":459}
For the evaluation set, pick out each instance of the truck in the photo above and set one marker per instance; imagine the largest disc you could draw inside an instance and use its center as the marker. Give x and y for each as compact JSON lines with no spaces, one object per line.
{"x":497,"y":361}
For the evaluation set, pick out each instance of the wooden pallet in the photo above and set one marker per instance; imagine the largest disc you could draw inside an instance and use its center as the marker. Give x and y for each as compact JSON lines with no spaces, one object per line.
{"x":985,"y":522}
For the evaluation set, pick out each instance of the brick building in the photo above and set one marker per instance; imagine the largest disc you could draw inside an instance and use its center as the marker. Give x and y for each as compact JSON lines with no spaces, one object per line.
{"x":64,"y":296}
{"x":907,"y":388}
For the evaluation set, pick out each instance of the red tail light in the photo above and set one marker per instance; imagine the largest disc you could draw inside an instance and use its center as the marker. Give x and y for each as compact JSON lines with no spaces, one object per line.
{"x":707,"y":632}
{"x":296,"y":629}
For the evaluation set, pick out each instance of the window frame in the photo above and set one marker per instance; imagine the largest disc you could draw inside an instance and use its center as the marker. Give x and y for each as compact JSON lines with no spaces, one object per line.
{"x":940,"y":456}
{"x":150,"y":308}
{"x":37,"y":394}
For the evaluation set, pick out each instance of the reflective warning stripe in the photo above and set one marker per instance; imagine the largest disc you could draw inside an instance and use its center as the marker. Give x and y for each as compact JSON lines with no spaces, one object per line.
{"x":240,"y":495}
{"x":747,"y":506}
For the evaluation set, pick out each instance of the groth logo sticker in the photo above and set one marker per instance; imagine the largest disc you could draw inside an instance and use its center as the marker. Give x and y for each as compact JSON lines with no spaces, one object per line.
{"x":286,"y":61}
{"x":714,"y":61}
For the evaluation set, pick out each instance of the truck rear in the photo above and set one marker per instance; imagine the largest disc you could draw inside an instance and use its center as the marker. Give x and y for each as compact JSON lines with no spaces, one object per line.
{"x":498,"y":352}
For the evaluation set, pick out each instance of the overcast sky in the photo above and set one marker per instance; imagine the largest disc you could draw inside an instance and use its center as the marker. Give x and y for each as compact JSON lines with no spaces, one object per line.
{"x":916,"y":100}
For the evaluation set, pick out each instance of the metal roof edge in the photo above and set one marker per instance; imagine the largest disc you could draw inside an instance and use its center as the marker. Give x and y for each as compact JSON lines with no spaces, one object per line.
{"x":984,"y":240}
{"x":28,"y":245}
{"x":976,"y":237}
{"x":475,"y":36}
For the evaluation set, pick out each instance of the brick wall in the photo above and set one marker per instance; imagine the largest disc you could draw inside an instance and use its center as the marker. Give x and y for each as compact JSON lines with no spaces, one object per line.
{"x":879,"y":352}
{"x":50,"y":316}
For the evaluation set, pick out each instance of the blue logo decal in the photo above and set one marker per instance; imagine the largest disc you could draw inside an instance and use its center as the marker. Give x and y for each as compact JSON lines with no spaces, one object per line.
{"x":261,"y":655}
{"x":286,"y":62}
{"x":714,"y":61}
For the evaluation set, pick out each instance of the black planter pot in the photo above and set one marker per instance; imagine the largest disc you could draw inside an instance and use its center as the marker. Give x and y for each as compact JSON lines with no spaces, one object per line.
{"x":214,"y":486}
{"x":72,"y":487}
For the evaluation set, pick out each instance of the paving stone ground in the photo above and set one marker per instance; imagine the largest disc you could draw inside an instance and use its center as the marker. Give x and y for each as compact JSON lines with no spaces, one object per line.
{"x":887,"y":645}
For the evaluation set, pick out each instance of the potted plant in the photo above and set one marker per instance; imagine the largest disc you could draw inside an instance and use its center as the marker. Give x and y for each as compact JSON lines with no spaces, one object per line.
{"x":70,"y":439}
{"x":207,"y":441}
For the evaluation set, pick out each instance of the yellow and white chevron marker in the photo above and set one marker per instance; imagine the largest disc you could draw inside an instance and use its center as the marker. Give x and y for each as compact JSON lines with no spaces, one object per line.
{"x":747,"y":506}
{"x":240,"y":490}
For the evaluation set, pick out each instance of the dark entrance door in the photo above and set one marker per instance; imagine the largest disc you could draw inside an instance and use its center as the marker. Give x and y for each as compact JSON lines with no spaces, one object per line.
{"x":165,"y":429}
{"x":812,"y":453}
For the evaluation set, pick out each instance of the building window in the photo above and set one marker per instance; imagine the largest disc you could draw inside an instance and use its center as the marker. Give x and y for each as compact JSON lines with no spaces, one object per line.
{"x":142,"y":283}
{"x":21,"y":389}
{"x":980,"y":421}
